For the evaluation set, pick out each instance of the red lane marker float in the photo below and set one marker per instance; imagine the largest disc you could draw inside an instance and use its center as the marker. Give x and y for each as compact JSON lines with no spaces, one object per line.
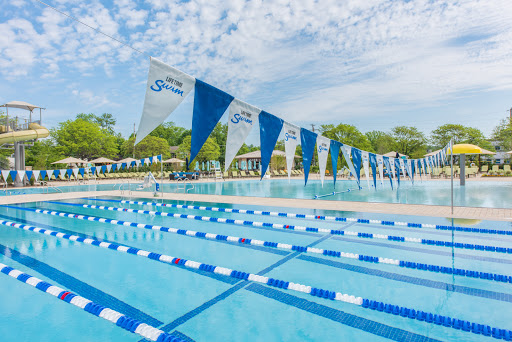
{"x":176,"y":261}
{"x":64,"y":295}
{"x":243,"y":240}
{"x":287,"y":226}
{"x":125,"y":209}
{"x":76,"y":216}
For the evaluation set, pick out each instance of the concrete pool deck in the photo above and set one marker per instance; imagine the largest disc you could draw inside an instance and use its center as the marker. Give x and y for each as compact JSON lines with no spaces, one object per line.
{"x":491,"y":214}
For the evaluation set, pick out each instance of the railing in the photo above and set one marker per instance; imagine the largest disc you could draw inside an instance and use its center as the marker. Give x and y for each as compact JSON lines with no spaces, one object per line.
{"x":184,"y":188}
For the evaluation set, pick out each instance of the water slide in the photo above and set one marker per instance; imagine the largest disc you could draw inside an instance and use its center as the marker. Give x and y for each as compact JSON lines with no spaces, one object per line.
{"x":34,"y":131}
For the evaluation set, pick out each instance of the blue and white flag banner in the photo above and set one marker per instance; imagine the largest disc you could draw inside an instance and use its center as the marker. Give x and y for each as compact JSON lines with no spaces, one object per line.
{"x":410,"y":167}
{"x":21,"y":175}
{"x":270,"y":128}
{"x":402,"y":167}
{"x":322,"y":144}
{"x":373,"y":164}
{"x":75,"y":172}
{"x":36,"y":174}
{"x":397,"y":169}
{"x":210,"y":104}
{"x":356,"y":159}
{"x":109,"y":167}
{"x":307,"y":141}
{"x":335,"y":152}
{"x":393,"y":171}
{"x":366,"y":160}
{"x":380,"y":164}
{"x":291,"y":140}
{"x":165,"y":90}
{"x":388,"y":162}
{"x":242,"y":118}
{"x":5,"y":174}
{"x":347,"y":150}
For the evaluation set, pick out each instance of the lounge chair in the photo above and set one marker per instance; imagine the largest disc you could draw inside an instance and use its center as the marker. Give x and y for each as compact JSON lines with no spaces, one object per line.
{"x":225,"y":174}
{"x":234,"y":174}
{"x":484,"y":168}
{"x":506,"y":168}
{"x":283,"y":173}
{"x":251,"y":173}
{"x":243,"y":174}
{"x":275,"y":173}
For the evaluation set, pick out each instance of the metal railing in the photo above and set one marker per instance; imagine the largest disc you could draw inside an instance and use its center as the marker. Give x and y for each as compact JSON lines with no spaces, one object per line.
{"x":185,"y":182}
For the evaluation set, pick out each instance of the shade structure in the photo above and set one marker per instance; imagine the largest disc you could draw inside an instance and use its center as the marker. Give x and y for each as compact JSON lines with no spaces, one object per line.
{"x":173,"y":161}
{"x":70,"y":160}
{"x":468,"y":149}
{"x":126,"y":160}
{"x":21,"y":105}
{"x":509,"y":152}
{"x":393,"y":154}
{"x":102,"y":160}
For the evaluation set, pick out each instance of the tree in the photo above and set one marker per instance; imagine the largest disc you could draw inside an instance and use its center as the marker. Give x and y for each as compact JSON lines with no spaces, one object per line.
{"x":84,"y":139}
{"x":172,"y":133}
{"x":42,"y":154}
{"x":503,"y":134}
{"x":461,"y":134}
{"x":347,"y":134}
{"x":106,"y":121}
{"x":381,"y":142}
{"x":209,"y":151}
{"x":409,"y":141}
{"x":148,"y":147}
{"x":220,"y":135}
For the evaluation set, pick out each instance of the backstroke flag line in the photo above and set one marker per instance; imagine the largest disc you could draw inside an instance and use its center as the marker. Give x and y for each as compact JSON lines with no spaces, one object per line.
{"x":322,"y":144}
{"x":366,"y":159}
{"x":335,"y":151}
{"x":291,"y":140}
{"x":346,"y":149}
{"x":380,"y":163}
{"x":307,"y":141}
{"x":242,"y":118}
{"x":270,"y":128}
{"x":166,"y":89}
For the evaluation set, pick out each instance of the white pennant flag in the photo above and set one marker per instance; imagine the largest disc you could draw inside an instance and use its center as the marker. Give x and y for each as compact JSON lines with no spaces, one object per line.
{"x":366,"y":165}
{"x":346,"y":149}
{"x":166,"y":89}
{"x":291,"y":140}
{"x":109,"y":167}
{"x":242,"y":118}
{"x":409,"y":168}
{"x":146,"y":161}
{"x":75,"y":172}
{"x":36,"y":175}
{"x":380,"y":164}
{"x":5,"y":174}
{"x":392,"y":164}
{"x":322,"y":147}
{"x":137,"y":162}
{"x":402,"y":167}
{"x":118,"y":166}
{"x":21,"y":174}
{"x":62,"y":173}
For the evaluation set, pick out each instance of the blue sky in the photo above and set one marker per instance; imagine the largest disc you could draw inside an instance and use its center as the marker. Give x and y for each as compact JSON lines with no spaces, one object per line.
{"x":374,"y":64}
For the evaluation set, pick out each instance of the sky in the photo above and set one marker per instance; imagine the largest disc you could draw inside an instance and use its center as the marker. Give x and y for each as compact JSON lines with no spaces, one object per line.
{"x":375,"y":64}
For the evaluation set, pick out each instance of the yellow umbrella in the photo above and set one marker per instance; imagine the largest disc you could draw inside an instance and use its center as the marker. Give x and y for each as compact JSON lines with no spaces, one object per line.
{"x":468,"y":149}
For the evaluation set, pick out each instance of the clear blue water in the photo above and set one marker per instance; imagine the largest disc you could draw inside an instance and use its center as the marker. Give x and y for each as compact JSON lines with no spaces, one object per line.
{"x":487,"y":194}
{"x":168,"y":294}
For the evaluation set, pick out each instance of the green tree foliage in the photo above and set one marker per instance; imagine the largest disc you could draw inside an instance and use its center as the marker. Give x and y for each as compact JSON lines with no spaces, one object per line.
{"x":149,"y":146}
{"x":220,"y":135}
{"x":278,"y":162}
{"x":461,"y":134}
{"x":247,"y":148}
{"x":347,"y":134}
{"x":209,"y":151}
{"x":172,"y":133}
{"x":381,"y":142}
{"x":106,"y":121}
{"x":42,"y":155}
{"x":84,"y":139}
{"x":503,"y":134}
{"x":409,"y":141}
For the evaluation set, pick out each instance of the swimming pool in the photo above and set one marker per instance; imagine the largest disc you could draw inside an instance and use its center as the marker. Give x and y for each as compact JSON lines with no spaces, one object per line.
{"x":201,"y":305}
{"x":487,"y":194}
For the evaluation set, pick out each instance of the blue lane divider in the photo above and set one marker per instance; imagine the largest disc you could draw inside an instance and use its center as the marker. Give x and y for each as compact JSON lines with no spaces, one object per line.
{"x":427,"y":317}
{"x":316,"y":217}
{"x":122,"y":321}
{"x":438,"y":243}
{"x":286,"y":246}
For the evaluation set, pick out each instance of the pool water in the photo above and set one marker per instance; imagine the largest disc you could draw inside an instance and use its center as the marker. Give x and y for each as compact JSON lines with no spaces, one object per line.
{"x":202,"y":306}
{"x":486,"y":194}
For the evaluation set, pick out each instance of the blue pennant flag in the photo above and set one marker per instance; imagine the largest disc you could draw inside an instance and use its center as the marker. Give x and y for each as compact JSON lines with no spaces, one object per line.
{"x":397,"y":169}
{"x":425,"y":166}
{"x":335,"y":152}
{"x":210,"y":104}
{"x":132,"y":164}
{"x":356,"y":159}
{"x":159,"y":157}
{"x":103,"y":168}
{"x":413,"y":168}
{"x":114,"y":167}
{"x":81,"y":171}
{"x":388,"y":168}
{"x":123,"y":166}
{"x":307,"y":141}
{"x":142,"y":162}
{"x":373,"y":163}
{"x":93,"y":170}
{"x":42,"y":173}
{"x":29,"y":174}
{"x":69,"y":172}
{"x":56,"y":173}
{"x":13,"y":175}
{"x":270,"y":128}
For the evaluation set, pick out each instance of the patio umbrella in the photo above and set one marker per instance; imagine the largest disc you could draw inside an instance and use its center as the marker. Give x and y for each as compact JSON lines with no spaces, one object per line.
{"x":236,"y":165}
{"x":393,"y":154}
{"x":102,"y":160}
{"x":203,"y":166}
{"x":250,"y":166}
{"x":462,"y":150}
{"x":70,"y":160}
{"x":197,"y":166}
{"x":208,"y":166}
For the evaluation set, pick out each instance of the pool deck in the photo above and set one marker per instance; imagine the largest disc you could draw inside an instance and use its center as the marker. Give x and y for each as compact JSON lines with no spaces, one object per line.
{"x":492,"y":214}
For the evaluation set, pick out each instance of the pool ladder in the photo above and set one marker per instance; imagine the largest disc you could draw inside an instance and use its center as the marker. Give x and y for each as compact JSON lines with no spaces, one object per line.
{"x":184,"y":188}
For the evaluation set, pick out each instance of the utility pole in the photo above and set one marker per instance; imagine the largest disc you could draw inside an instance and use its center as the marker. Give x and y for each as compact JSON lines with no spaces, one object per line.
{"x":134,"y":136}
{"x":313,"y":130}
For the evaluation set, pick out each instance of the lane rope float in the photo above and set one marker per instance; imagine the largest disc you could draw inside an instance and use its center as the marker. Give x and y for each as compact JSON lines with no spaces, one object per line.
{"x":438,"y":243}
{"x":419,"y":315}
{"x":315,"y":217}
{"x":130,"y":324}
{"x":332,"y":253}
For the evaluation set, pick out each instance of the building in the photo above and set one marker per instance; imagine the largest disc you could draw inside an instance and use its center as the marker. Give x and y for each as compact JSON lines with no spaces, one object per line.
{"x":255,"y":158}
{"x":501,"y":156}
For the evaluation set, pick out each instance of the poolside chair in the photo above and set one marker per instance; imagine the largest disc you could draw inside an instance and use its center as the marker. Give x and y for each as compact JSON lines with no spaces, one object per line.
{"x":251,"y":173}
{"x":506,"y":169}
{"x":225,"y":174}
{"x":275,"y":173}
{"x":495,"y":169}
{"x":243,"y":174}
{"x":234,"y":174}
{"x":101,"y":176}
{"x":283,"y":173}
{"x":484,"y":168}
